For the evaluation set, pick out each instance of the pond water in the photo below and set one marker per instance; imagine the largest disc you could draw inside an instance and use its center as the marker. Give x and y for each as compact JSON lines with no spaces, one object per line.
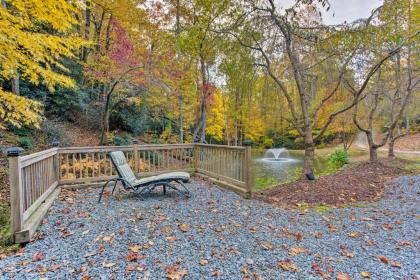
{"x":269,"y":170}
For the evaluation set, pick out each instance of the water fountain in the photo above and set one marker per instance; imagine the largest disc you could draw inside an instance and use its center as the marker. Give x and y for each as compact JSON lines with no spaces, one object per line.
{"x":278,"y":154}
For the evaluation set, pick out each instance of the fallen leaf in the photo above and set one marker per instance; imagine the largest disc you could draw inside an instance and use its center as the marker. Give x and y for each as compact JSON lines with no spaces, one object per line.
{"x":343,"y":276}
{"x":55,"y":267}
{"x":216,"y":273}
{"x":108,"y":265}
{"x":332,"y":228}
{"x":365,"y":274}
{"x":184,"y":227}
{"x":174,"y":273}
{"x":41,"y":269}
{"x":38,"y":256}
{"x":132,"y":256}
{"x":66,"y":233}
{"x":318,"y":270}
{"x":107,"y":239}
{"x":131,"y":267}
{"x":267,"y":246}
{"x":86,"y":277}
{"x":396,"y":264}
{"x":347,"y":254}
{"x":135,"y":248}
{"x":171,"y":238}
{"x":299,"y":236}
{"x":287,"y":265}
{"x":204,"y":262}
{"x":383,"y":259}
{"x":405,"y":243}
{"x":387,"y":227}
{"x":354,"y":234}
{"x":296,"y":250}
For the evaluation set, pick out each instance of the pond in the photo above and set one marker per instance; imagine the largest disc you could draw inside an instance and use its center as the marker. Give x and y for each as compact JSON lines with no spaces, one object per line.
{"x":269,"y":170}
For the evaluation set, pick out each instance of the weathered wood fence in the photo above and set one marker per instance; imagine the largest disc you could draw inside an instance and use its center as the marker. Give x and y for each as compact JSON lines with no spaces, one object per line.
{"x":36,"y":179}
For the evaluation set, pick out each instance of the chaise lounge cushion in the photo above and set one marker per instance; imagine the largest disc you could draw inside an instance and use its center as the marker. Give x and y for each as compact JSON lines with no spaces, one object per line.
{"x":124,"y":170}
{"x":167,"y":177}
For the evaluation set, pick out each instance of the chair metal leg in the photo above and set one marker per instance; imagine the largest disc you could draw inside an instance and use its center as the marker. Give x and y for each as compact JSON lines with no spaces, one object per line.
{"x":164,"y":189}
{"x":104,"y":186}
{"x":186,"y":191}
{"x":115,"y":185}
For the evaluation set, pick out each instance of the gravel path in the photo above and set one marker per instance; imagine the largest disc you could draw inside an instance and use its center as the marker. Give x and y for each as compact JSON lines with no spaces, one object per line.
{"x":217,"y":235}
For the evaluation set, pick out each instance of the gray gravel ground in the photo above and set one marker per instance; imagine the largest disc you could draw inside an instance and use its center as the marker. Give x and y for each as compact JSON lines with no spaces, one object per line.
{"x":217,"y":235}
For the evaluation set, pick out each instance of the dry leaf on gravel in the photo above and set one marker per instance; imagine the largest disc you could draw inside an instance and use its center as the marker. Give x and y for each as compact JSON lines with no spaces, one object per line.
{"x":38,"y":256}
{"x":365,"y":274}
{"x":288,"y":265}
{"x":354,"y":234}
{"x":396,"y":264}
{"x":184,"y":227}
{"x":174,"y":273}
{"x":383,"y":259}
{"x":343,"y":276}
{"x":108,"y":265}
{"x":135,"y":248}
{"x":296,"y":250}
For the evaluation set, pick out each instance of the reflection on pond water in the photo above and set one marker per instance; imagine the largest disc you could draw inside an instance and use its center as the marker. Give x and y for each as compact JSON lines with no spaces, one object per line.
{"x":275,"y":166}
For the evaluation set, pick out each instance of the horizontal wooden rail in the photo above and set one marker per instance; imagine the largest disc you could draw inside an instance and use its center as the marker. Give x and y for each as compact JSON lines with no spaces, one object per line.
{"x":35,"y":179}
{"x":92,"y":164}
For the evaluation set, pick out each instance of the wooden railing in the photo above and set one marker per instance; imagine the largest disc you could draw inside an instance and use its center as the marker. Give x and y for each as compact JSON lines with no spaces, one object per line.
{"x":225,"y":163}
{"x":91,"y":164}
{"x":35,"y":179}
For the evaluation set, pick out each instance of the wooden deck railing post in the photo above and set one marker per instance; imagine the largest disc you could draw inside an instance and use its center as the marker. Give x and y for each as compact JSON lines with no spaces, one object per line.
{"x":247,"y":167}
{"x":136,"y":158}
{"x":16,"y":192}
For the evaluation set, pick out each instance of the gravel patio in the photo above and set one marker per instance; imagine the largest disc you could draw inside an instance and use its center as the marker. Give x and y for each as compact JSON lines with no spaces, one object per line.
{"x":218,"y":235}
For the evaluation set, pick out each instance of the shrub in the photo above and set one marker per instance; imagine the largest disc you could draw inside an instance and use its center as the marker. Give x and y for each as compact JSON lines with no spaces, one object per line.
{"x":267,"y":143}
{"x":21,"y":131}
{"x":122,"y":140}
{"x":25,"y":142}
{"x":338,"y":158}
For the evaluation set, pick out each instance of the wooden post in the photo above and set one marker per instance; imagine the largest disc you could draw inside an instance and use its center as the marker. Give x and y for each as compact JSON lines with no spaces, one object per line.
{"x":247,"y":167}
{"x":196,"y":150}
{"x":16,"y":193}
{"x":136,"y":159}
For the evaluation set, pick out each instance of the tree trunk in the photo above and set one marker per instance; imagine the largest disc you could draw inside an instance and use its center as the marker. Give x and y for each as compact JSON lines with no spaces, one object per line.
{"x":200,"y":131}
{"x":105,"y":121}
{"x":407,"y":125}
{"x":373,"y":149}
{"x":87,"y":30}
{"x":16,"y":84}
{"x":391,"y":143}
{"x":308,"y":162}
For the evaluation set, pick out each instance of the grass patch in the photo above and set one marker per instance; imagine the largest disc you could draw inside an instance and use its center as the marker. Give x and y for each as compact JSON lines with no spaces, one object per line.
{"x":5,"y":230}
{"x":320,"y":208}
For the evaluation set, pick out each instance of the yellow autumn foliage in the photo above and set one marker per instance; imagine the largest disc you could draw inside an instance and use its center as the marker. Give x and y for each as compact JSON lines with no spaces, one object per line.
{"x":18,"y":110}
{"x":31,"y":53}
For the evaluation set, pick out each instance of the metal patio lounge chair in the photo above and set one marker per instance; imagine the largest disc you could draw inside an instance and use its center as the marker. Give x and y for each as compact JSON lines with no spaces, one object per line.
{"x":140,"y":186}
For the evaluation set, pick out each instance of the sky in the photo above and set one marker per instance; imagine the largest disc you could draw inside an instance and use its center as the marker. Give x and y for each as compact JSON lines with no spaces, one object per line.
{"x":344,"y":10}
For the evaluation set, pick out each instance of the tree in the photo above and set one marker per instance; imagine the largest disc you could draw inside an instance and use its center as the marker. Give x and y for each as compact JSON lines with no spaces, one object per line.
{"x":296,"y":50}
{"x":33,"y":43}
{"x":388,"y":39}
{"x":117,"y":65}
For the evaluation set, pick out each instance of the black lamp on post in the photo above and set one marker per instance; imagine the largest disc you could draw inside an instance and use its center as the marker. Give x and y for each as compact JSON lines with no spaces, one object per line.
{"x":247,"y":142}
{"x":55,"y":142}
{"x":14,"y":151}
